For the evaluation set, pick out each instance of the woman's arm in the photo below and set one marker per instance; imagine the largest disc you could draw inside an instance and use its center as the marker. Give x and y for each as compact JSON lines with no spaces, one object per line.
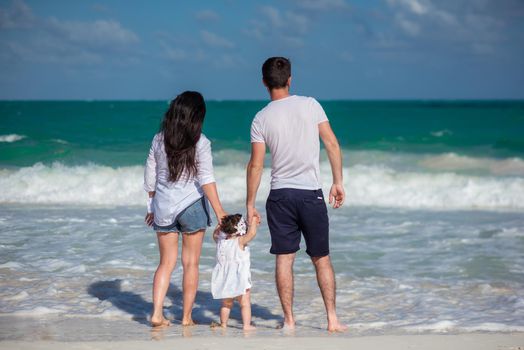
{"x":150,"y":169}
{"x":211,"y":192}
{"x":150,"y":182}
{"x":206,"y":177}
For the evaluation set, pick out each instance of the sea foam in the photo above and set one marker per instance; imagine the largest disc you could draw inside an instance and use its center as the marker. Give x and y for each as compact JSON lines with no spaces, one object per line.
{"x":454,"y":162}
{"x":366,"y":185}
{"x":11,"y":138}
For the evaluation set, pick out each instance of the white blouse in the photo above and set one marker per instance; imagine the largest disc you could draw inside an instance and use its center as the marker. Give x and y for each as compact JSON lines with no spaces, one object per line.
{"x":171,"y":198}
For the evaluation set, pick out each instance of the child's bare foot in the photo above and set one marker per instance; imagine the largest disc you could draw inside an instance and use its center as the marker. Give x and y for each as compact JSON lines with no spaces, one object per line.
{"x":337,"y":327}
{"x":286,"y":326}
{"x":249,"y":327}
{"x":160,"y":322}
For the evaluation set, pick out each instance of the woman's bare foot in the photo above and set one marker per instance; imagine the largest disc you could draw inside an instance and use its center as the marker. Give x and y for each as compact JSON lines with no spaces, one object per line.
{"x":160,"y":322}
{"x":337,"y":327}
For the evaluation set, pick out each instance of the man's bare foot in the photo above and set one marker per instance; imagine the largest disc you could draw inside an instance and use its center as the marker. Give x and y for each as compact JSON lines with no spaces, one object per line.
{"x":218,"y":325}
{"x":160,"y":323}
{"x":249,"y":327}
{"x":337,"y":327}
{"x":189,"y":322}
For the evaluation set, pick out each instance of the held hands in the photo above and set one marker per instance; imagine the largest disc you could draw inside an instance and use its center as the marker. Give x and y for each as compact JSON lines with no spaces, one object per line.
{"x":253,"y":217}
{"x":337,"y":196}
{"x":216,"y":231}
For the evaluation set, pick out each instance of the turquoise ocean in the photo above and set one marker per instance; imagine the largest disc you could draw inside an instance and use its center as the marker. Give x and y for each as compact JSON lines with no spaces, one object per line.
{"x":430,"y":240}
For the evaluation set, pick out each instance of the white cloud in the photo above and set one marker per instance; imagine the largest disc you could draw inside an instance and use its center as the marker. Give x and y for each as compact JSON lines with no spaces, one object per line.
{"x":297,"y":21}
{"x":286,"y":22}
{"x":212,"y":39}
{"x":50,"y":51}
{"x":414,"y":6}
{"x":174,"y":54}
{"x":386,"y":41}
{"x":210,"y":50}
{"x":53,"y":40}
{"x":321,"y":4}
{"x":255,"y":30}
{"x":179,"y":49}
{"x":19,"y":15}
{"x":207,"y":15}
{"x":444,"y":17}
{"x":100,"y":8}
{"x":464,"y":24}
{"x":408,"y":26}
{"x":292,"y":41}
{"x":97,"y":33}
{"x":273,"y":15}
{"x":228,"y":60}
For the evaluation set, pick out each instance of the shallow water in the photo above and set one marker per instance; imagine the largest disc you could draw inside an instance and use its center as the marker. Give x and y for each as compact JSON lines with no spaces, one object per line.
{"x":398,"y":271}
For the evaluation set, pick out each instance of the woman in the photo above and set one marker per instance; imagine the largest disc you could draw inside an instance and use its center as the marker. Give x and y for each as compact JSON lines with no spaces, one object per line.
{"x":179,"y":177}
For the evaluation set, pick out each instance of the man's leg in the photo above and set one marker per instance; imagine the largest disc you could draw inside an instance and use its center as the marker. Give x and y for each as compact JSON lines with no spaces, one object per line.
{"x":327,"y":284}
{"x":285,"y":286}
{"x":285,"y":242}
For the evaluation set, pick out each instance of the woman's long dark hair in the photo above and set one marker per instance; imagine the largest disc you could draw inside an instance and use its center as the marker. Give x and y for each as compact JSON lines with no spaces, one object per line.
{"x":181,"y":128}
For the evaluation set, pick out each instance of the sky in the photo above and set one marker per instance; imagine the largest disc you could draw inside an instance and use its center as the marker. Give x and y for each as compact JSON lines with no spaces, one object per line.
{"x":339,"y":49}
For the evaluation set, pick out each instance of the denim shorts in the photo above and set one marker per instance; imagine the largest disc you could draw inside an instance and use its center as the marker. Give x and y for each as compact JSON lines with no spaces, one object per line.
{"x":292,"y":213}
{"x":192,"y":219}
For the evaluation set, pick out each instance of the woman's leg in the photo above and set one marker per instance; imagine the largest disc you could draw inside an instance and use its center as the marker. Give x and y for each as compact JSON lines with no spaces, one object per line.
{"x":191,"y":249}
{"x":245,"y":310}
{"x":168,"y":247}
{"x":225,"y":310}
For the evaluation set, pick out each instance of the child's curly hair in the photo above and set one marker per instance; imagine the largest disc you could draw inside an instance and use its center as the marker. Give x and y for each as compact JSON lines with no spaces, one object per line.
{"x":228,"y":224}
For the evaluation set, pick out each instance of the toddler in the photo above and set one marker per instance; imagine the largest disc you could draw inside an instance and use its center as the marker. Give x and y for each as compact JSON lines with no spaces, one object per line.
{"x":232,"y":276}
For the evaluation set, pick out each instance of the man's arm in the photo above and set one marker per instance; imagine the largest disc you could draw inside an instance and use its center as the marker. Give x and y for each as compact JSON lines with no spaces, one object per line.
{"x":254,"y":174}
{"x":336,"y":194}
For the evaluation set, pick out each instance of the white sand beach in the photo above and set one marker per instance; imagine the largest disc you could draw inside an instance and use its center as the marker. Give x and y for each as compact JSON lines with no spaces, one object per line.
{"x":420,"y":342}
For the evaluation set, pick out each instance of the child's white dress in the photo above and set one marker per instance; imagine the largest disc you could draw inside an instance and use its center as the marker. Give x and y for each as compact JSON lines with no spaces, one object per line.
{"x":231,"y":275}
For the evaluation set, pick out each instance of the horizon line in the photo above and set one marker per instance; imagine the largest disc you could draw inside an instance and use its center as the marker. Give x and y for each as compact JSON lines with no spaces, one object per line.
{"x":508,"y":99}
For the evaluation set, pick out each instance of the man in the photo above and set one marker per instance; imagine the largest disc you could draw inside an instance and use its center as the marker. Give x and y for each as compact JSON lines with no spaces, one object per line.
{"x":290,"y":126}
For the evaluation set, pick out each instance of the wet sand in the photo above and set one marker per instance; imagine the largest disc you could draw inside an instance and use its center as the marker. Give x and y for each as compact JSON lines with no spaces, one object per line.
{"x":430,"y":342}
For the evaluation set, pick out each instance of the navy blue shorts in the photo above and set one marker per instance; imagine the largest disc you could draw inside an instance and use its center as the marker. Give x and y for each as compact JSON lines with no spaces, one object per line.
{"x":292,"y":212}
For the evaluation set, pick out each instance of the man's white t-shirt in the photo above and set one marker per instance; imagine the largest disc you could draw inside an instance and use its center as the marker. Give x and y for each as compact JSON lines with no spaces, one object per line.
{"x":289,"y":127}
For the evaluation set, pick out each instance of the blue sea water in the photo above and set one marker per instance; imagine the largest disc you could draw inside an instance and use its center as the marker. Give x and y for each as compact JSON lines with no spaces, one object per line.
{"x":430,"y":238}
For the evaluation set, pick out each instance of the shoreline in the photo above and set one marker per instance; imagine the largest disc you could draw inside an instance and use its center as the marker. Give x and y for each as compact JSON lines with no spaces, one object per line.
{"x":40,"y":331}
{"x":477,"y":341}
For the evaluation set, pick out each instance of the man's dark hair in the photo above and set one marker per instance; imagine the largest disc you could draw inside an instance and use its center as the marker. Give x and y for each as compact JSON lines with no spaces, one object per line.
{"x":276,"y":72}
